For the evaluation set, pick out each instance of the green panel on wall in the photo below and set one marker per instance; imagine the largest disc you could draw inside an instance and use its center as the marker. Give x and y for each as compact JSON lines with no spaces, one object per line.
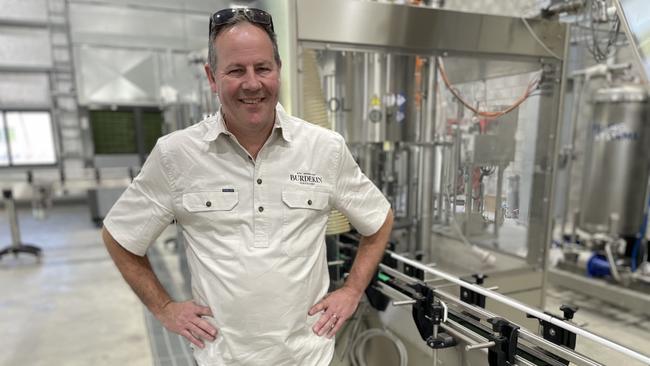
{"x":152,"y":123}
{"x":113,"y":132}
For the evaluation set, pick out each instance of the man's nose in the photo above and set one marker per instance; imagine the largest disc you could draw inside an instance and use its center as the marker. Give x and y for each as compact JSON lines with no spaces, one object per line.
{"x":251,"y":81}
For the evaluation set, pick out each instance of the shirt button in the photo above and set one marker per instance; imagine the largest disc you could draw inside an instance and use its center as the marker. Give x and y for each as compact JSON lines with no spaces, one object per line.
{"x":259,"y":180}
{"x":309,"y":202}
{"x":260,"y":209}
{"x":208,"y":203}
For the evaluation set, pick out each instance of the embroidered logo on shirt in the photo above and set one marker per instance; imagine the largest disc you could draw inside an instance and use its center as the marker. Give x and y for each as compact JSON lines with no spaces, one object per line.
{"x":228,"y":190}
{"x":306,"y":178}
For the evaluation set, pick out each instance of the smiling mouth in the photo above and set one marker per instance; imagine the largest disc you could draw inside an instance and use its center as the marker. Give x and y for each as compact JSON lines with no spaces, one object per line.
{"x":252,"y":101}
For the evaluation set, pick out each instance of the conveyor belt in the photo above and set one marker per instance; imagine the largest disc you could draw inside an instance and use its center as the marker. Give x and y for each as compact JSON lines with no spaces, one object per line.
{"x":168,"y":349}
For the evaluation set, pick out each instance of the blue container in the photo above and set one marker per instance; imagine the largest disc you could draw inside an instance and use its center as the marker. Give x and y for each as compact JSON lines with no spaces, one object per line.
{"x":598,"y":266}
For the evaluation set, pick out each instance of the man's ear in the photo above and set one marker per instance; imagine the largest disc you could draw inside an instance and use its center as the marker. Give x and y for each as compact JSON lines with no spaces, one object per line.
{"x":211,"y":79}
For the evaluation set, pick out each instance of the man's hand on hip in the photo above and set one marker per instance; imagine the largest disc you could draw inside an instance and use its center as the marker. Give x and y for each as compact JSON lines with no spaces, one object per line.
{"x":337,"y":307}
{"x":184,"y":318}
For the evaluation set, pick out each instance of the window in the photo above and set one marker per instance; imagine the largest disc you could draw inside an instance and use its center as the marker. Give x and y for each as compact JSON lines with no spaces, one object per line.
{"x":4,"y":153}
{"x":26,"y":138}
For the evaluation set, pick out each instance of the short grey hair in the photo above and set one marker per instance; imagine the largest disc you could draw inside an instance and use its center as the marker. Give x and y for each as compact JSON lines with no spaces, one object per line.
{"x":236,"y":19}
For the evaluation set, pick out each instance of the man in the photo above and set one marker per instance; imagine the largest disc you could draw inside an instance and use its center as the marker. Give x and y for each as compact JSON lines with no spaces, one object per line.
{"x":251,"y":188}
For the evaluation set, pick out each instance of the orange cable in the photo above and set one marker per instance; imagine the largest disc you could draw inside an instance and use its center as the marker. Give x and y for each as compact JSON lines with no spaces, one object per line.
{"x":490,"y":115}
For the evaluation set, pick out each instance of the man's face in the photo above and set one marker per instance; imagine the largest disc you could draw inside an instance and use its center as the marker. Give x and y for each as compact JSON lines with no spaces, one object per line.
{"x":247,"y":78}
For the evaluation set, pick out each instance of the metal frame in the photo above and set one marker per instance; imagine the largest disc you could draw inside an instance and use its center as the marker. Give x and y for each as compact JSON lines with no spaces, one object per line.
{"x":626,"y":298}
{"x":628,"y":32}
{"x":428,"y":31}
{"x":372,"y":26}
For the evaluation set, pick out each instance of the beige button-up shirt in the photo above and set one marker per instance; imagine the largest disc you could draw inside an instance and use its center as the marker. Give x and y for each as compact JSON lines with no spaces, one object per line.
{"x":254,"y":230}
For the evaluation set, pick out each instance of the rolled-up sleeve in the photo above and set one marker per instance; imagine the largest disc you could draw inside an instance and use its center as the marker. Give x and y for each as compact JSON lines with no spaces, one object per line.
{"x":356,"y":197}
{"x":145,"y":208}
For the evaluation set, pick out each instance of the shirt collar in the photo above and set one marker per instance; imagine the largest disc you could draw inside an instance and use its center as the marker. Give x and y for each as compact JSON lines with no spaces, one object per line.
{"x":216,"y":125}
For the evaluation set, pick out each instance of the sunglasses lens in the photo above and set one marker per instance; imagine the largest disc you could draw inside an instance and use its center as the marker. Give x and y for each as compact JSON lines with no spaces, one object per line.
{"x":259,"y":16}
{"x":254,"y":15}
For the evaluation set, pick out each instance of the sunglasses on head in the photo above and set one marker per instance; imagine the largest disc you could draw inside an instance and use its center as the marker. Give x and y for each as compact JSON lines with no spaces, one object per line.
{"x":253,"y":15}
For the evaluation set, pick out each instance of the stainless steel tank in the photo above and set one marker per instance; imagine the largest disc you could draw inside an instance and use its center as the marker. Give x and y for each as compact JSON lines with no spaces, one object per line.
{"x":617,"y":161}
{"x":367,"y":94}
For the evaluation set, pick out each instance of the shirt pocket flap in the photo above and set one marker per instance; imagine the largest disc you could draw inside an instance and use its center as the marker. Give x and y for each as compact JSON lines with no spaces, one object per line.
{"x":210,"y":201}
{"x":305,"y":199}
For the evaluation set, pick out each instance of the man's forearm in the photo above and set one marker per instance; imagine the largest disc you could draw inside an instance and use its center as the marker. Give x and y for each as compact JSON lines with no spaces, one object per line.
{"x":137,"y":272}
{"x":370,"y":252}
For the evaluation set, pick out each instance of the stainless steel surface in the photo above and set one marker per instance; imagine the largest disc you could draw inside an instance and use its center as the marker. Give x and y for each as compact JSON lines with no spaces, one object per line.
{"x":117,"y":76}
{"x":24,"y":90}
{"x":365,"y":93}
{"x":540,"y":211}
{"x":497,"y":147}
{"x":618,"y":164}
{"x":284,"y":22}
{"x":138,"y":27}
{"x":464,"y":69}
{"x":423,"y":30}
{"x":25,"y":48}
{"x":636,"y":301}
{"x":426,"y":182}
{"x":144,"y":55}
{"x":32,"y":11}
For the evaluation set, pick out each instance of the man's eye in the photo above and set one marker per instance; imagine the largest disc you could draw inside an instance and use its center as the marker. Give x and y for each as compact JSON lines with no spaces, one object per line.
{"x":235,"y":72}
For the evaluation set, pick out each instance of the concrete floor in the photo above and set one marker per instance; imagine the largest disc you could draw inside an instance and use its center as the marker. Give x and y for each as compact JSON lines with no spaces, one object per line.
{"x":73,"y":308}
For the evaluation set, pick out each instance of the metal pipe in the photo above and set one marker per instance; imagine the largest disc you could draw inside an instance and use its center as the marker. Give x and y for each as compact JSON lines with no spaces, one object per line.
{"x":454,"y":329}
{"x":612,"y":264}
{"x":441,"y":183}
{"x":497,"y":202}
{"x":471,"y":347}
{"x":412,"y":191}
{"x":455,"y":164}
{"x":525,"y":308}
{"x":575,"y":107}
{"x":13,"y":218}
{"x":403,"y":302}
{"x":335,"y":263}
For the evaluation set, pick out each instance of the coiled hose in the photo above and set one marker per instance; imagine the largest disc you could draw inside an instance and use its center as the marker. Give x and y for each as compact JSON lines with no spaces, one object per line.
{"x":357,"y":356}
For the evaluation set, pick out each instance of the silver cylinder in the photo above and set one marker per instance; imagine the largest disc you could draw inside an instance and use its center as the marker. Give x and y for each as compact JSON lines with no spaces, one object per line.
{"x":617,"y":168}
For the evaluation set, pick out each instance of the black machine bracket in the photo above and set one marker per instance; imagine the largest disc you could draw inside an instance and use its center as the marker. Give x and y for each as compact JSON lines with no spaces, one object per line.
{"x":557,"y":335}
{"x":428,"y":314}
{"x":505,"y":338}
{"x":472,"y":297}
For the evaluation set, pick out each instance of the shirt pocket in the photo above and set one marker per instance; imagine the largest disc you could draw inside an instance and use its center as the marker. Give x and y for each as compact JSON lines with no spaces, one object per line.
{"x":212,"y":223}
{"x":210,"y":201}
{"x":304,"y":216}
